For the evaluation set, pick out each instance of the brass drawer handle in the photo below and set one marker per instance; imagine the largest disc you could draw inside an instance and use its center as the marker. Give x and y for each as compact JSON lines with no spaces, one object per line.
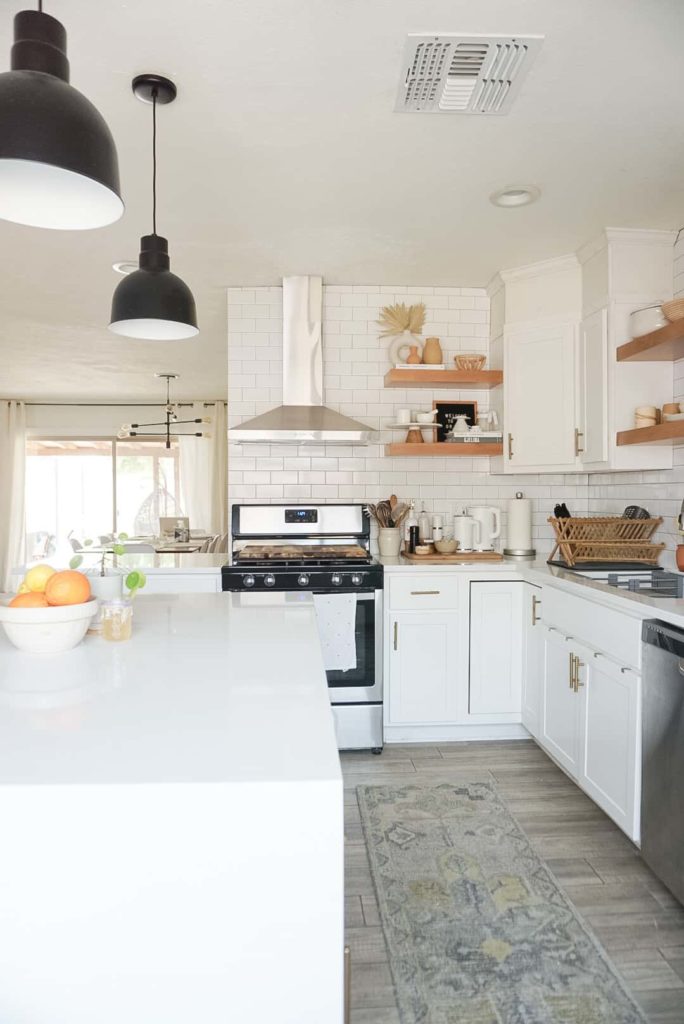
{"x":510,"y":447}
{"x":418,"y":592}
{"x":571,"y":671}
{"x":579,"y":450}
{"x":535,"y":618}
{"x":578,"y":665}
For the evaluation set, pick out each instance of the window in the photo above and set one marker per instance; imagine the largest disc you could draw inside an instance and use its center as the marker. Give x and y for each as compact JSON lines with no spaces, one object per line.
{"x":91,"y":488}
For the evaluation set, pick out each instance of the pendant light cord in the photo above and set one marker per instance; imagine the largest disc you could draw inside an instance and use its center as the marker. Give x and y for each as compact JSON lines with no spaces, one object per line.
{"x":154,"y":161}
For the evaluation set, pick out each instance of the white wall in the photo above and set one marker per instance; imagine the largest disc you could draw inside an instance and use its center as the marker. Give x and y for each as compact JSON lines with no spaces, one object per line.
{"x":355,"y":361}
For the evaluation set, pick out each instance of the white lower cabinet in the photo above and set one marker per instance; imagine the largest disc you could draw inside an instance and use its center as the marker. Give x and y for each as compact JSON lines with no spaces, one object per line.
{"x":591,"y":724}
{"x":533,"y":658}
{"x":610,"y":769}
{"x":496,"y":649}
{"x":422,"y":668}
{"x":560,"y":724}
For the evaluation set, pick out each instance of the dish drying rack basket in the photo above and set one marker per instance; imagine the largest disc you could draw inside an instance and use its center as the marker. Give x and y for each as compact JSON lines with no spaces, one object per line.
{"x":605,"y":539}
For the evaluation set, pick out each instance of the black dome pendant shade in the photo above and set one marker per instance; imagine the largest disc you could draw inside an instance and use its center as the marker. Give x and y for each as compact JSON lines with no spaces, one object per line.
{"x":152,"y":303}
{"x":58,"y":162}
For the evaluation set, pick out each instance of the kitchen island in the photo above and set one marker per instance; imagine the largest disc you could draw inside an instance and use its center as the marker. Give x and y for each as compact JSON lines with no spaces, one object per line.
{"x":172,"y":844}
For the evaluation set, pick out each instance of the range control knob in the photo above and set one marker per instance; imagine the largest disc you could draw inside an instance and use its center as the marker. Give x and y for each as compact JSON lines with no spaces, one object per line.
{"x":248,"y":581}
{"x":336,"y":579}
{"x":269,"y":580}
{"x":356,"y":579}
{"x":302,"y":579}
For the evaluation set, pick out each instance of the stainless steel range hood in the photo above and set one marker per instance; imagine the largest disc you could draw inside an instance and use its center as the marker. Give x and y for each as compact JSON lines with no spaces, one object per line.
{"x":302,"y":418}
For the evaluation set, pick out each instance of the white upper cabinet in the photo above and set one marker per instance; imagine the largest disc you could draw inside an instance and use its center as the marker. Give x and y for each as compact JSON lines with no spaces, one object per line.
{"x":555,"y":329}
{"x":540,"y":397}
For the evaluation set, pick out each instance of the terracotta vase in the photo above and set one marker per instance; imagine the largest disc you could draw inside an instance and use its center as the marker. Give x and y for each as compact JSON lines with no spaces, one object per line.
{"x":680,"y":557}
{"x":432,"y":353}
{"x":414,"y":355}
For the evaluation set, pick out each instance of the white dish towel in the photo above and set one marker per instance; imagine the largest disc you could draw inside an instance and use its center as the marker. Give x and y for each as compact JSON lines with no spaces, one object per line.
{"x":336,"y":614}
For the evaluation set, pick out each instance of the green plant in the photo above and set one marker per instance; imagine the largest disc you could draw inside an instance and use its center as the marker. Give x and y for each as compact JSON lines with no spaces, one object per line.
{"x":114,"y":547}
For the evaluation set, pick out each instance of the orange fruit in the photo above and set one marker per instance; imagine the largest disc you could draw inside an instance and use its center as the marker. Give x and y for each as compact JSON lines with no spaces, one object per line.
{"x":67,"y":587}
{"x":37,"y":576}
{"x":28,"y":601}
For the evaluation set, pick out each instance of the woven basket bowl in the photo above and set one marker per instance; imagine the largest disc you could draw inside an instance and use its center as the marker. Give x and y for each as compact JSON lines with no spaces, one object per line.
{"x":474,"y":361}
{"x":674,"y":310}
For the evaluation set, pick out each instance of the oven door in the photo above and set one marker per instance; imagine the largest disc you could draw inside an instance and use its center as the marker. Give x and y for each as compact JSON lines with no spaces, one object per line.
{"x":363,"y":684}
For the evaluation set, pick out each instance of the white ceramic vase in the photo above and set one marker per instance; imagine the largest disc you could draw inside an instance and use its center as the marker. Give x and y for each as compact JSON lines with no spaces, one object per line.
{"x":389,"y":541}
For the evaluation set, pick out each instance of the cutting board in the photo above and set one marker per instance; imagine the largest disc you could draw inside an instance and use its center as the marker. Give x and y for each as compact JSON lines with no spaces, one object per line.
{"x":457,"y":558}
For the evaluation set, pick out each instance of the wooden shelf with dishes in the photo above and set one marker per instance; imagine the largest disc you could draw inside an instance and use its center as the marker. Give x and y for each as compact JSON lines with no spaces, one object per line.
{"x":666,"y":344}
{"x":464,"y":380}
{"x":476,"y":450}
{"x":670,"y":432}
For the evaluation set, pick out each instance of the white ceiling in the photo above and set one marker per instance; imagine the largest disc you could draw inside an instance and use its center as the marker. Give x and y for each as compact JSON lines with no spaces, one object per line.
{"x":283,"y":155}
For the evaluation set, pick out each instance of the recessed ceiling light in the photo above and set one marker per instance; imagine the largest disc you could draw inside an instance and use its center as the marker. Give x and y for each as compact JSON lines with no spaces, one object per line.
{"x":125,"y":266}
{"x":515,"y":195}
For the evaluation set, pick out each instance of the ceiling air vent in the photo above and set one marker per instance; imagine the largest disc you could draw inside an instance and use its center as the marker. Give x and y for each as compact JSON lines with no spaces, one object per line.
{"x":455,"y":74}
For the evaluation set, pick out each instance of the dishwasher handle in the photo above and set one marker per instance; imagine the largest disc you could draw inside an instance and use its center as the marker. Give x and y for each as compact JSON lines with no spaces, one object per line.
{"x":664,"y":636}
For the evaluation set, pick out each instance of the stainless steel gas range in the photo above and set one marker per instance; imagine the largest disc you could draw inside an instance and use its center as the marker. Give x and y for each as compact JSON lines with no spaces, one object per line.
{"x":324,"y":551}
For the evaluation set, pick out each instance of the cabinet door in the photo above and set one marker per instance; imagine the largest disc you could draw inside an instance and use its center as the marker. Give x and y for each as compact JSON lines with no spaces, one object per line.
{"x":422,"y":668}
{"x":593,"y":390}
{"x":496,"y":648}
{"x":610,"y":770}
{"x":533,"y":659}
{"x":539,"y":397}
{"x":560,"y":731}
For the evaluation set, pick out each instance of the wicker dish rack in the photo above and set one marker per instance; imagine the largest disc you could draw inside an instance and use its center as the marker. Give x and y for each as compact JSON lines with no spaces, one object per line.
{"x":605,"y":539}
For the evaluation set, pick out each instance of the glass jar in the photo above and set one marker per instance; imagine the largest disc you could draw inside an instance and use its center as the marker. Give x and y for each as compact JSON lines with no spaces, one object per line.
{"x":117,"y":619}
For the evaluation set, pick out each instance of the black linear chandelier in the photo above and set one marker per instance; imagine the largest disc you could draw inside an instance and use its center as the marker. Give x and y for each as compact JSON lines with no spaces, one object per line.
{"x":152,"y":303}
{"x":170,"y":424}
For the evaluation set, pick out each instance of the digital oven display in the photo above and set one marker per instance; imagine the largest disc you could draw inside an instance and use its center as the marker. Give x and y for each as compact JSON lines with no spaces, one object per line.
{"x":301,"y":515}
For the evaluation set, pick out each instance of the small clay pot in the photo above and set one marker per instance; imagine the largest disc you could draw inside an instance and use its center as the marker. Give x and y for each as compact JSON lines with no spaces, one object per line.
{"x":414,"y":356}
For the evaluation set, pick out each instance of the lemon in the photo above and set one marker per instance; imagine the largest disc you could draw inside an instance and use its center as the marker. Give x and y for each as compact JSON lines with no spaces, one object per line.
{"x":37,"y":576}
{"x":23,"y":589}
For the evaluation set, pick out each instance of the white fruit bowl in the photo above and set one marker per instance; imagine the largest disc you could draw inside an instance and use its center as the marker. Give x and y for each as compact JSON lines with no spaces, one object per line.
{"x":48,"y":630}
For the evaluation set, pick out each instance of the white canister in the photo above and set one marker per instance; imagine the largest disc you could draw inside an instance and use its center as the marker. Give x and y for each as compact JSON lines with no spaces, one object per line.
{"x":389,"y":541}
{"x":437,"y":527}
{"x":519,"y":527}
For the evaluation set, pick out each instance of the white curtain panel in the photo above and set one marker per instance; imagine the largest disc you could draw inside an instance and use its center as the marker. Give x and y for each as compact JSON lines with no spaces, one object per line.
{"x":203,"y":470}
{"x":12,"y":477}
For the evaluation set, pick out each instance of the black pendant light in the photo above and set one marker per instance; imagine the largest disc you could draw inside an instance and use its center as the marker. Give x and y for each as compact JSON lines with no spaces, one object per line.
{"x":58,"y":163}
{"x":153,"y":303}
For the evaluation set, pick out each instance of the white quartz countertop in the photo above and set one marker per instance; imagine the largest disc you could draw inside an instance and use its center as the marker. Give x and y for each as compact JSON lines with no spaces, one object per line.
{"x":211,"y":688}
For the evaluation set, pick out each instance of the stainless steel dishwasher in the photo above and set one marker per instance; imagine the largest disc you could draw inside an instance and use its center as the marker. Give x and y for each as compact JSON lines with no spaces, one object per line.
{"x":662,"y":794}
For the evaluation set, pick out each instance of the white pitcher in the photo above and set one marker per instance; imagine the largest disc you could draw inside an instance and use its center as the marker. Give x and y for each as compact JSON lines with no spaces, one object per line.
{"x":467,"y":532}
{"x":489,"y":519}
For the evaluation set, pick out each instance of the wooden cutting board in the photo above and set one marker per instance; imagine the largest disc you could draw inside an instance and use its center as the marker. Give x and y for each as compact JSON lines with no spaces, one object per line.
{"x":458,"y":557}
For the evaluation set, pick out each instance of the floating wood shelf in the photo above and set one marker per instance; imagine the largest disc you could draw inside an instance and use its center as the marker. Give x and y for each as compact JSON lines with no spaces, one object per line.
{"x":464,"y":380}
{"x":662,"y":433}
{"x":468,"y":451}
{"x":663,"y":346}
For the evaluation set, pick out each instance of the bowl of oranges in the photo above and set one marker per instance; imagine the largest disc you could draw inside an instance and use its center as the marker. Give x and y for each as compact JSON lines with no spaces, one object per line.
{"x":51,"y":611}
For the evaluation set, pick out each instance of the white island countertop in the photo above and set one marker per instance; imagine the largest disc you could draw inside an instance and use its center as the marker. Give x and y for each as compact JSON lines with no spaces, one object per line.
{"x":172,"y":834}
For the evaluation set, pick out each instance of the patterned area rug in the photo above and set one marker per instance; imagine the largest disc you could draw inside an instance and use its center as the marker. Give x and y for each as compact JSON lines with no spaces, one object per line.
{"x":477,"y":929}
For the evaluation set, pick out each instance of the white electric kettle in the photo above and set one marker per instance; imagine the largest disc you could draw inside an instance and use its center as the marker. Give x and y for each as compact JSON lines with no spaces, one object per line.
{"x":467,"y":532}
{"x":489,"y":519}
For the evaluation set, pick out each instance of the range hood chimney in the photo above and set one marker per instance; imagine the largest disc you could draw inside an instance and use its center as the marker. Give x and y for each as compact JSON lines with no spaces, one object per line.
{"x":302,"y":418}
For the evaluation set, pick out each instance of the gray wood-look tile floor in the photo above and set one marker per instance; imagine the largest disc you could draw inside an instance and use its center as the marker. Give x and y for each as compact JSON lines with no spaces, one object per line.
{"x":634,"y":916}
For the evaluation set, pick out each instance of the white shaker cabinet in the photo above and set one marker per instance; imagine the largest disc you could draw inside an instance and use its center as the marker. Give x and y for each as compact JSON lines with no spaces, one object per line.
{"x":592,"y":438}
{"x":610,"y":769}
{"x":533,"y":659}
{"x":540,"y":397}
{"x":561,"y":721}
{"x":422,"y":668}
{"x":496,"y":650}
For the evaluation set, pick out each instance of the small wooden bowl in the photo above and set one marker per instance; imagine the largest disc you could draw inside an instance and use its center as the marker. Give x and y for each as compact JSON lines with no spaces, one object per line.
{"x":446,"y":547}
{"x":674,"y":310}
{"x":471,"y":361}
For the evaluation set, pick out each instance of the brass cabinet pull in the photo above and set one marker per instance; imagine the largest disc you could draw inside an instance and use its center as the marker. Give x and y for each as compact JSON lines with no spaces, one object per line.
{"x":510,"y":447}
{"x":396,"y":635}
{"x":571,"y":671}
{"x":419,"y":592}
{"x":535,"y":617}
{"x":579,"y":450}
{"x":578,"y":665}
